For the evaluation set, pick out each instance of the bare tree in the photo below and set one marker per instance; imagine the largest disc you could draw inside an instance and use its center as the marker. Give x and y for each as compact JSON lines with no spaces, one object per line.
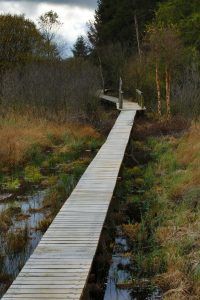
{"x":158,"y":88}
{"x":137,"y":36}
{"x":186,"y":91}
{"x":59,"y":90}
{"x":49,"y":24}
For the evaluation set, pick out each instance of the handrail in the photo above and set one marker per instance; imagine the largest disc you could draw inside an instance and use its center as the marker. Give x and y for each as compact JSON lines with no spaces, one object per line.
{"x":120,"y":94}
{"x":140,"y":98}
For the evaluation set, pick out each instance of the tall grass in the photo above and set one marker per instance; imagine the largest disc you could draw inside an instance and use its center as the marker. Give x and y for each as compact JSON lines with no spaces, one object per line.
{"x":23,"y":135}
{"x":163,"y":227}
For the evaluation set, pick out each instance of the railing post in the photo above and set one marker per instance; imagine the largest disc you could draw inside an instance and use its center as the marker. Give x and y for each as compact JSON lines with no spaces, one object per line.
{"x":120,"y":94}
{"x":139,"y":96}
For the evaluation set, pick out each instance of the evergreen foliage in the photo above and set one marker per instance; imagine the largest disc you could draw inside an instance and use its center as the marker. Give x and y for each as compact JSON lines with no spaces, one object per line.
{"x":185,"y":15}
{"x":80,"y":48}
{"x":114,"y":21}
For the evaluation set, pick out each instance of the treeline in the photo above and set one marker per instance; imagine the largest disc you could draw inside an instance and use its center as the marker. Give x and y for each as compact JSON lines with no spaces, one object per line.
{"x":22,"y":42}
{"x":154,"y":46}
{"x":34,"y":77}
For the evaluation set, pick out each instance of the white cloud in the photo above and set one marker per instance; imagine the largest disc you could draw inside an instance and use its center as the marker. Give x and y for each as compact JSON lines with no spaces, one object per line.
{"x":73,"y":18}
{"x":83,"y":3}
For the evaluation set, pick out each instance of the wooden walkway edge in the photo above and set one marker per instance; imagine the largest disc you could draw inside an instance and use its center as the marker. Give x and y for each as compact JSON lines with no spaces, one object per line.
{"x":61,"y":263}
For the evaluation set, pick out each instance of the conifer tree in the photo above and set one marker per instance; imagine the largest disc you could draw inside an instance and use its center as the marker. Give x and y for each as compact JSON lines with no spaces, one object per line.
{"x":80,"y":48}
{"x":115,"y":21}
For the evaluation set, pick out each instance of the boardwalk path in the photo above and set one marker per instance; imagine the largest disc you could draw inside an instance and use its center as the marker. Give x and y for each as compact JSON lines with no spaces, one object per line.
{"x":60,"y":265}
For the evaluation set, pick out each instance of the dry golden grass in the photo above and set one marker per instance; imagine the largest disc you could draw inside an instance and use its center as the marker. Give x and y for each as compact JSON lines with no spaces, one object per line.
{"x":189,"y":149}
{"x":188,"y":156}
{"x":19,"y":132}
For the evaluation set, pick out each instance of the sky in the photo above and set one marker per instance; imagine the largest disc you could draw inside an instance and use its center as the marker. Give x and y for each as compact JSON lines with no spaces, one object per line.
{"x":73,"y":14}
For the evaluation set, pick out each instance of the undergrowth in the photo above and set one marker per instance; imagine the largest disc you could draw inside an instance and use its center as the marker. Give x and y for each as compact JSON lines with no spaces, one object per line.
{"x":163,"y":214}
{"x":32,"y":148}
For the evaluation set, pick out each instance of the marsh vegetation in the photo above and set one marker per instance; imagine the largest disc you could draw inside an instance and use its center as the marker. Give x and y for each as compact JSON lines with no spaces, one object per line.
{"x":150,"y":245}
{"x":45,"y":161}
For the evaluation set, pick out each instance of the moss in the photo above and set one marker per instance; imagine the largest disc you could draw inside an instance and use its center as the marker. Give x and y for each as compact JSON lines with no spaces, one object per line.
{"x":50,"y":181}
{"x":133,"y":172}
{"x":139,"y":182}
{"x":32,"y":174}
{"x":11,"y":184}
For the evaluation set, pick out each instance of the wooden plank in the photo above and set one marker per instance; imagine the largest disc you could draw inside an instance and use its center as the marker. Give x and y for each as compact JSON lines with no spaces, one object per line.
{"x":60,"y":265}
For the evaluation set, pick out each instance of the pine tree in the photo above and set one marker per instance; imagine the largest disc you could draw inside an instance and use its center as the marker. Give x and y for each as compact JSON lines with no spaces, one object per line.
{"x":80,"y":48}
{"x":115,"y":21}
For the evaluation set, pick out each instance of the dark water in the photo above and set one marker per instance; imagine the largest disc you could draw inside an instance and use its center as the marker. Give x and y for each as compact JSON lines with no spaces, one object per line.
{"x":11,"y":264}
{"x":119,"y":273}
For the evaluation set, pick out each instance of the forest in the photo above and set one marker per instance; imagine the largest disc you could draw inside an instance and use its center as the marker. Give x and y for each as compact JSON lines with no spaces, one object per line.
{"x":52,"y":124}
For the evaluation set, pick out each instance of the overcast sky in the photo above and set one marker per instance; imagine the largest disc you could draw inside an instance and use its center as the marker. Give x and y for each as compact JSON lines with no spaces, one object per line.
{"x":74,"y":14}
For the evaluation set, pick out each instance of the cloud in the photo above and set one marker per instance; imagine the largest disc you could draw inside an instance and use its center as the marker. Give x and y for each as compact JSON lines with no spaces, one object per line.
{"x":73,"y":17}
{"x":83,"y":3}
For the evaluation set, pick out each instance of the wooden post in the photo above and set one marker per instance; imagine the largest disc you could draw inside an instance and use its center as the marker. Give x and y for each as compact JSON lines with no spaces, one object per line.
{"x":140,"y":98}
{"x":120,"y":94}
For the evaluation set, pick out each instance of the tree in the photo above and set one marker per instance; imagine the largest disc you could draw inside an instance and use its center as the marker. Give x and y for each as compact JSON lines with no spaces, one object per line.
{"x":20,"y":41}
{"x":166,"y":52}
{"x":115,"y":22}
{"x":80,"y":48}
{"x":118,"y":25}
{"x":185,"y":15}
{"x":49,"y":24}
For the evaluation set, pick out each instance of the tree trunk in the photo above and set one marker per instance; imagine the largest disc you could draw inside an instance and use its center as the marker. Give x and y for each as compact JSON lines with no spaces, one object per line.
{"x":158,"y":90}
{"x":138,"y":38}
{"x":101,"y":73}
{"x":168,"y":92}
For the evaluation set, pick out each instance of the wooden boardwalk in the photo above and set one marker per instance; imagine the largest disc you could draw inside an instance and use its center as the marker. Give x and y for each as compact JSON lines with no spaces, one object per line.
{"x":127,"y":105}
{"x":60,"y":265}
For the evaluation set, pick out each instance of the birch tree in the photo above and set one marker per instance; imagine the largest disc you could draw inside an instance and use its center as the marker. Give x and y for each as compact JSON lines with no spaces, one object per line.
{"x":167,"y":52}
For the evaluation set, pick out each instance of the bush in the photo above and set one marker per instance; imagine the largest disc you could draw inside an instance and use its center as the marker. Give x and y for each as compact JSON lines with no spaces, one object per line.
{"x":186,"y":93}
{"x":58,"y":90}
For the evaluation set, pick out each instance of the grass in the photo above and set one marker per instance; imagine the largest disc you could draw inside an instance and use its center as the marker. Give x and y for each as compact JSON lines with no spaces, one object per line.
{"x":37,"y":153}
{"x":44,"y":224}
{"x":164,"y":220}
{"x":16,"y":240}
{"x":24,"y":135}
{"x":7,"y":215}
{"x":31,"y":146}
{"x":32,"y":174}
{"x":5,"y":221}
